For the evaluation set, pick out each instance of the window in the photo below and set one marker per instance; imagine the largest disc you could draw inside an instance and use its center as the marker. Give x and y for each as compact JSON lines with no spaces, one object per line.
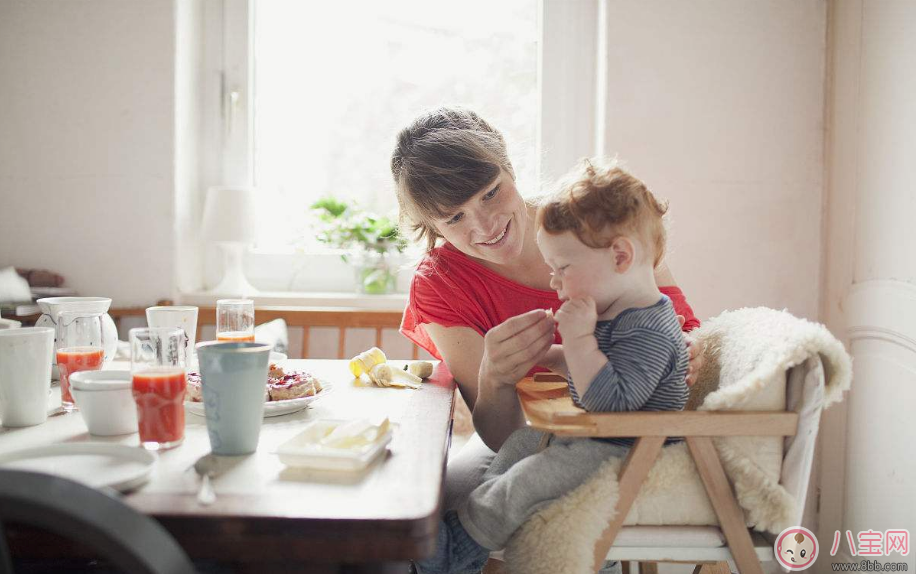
{"x":313,"y":94}
{"x":333,"y":85}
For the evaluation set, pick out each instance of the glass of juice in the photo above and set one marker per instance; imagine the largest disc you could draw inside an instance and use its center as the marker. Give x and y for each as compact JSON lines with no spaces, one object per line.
{"x":157,"y":367}
{"x":235,"y":320}
{"x":80,"y":341}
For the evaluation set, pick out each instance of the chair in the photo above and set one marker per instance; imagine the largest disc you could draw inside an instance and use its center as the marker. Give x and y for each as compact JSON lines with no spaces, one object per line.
{"x":306,"y":318}
{"x":797,"y":368}
{"x":129,"y":540}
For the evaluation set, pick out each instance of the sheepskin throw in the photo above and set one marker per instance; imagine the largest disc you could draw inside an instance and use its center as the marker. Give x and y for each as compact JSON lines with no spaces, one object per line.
{"x":748,"y":353}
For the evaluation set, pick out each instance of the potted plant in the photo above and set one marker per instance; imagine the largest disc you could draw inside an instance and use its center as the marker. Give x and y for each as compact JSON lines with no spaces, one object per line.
{"x":371,"y":241}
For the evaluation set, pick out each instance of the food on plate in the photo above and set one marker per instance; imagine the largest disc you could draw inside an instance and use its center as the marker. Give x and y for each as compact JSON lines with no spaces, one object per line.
{"x":293,"y":385}
{"x":363,"y":362}
{"x":422,"y":369}
{"x":280,"y":385}
{"x":195,"y":391}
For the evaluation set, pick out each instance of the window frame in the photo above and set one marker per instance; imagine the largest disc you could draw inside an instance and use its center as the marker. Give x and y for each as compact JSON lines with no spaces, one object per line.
{"x":570,"y":90}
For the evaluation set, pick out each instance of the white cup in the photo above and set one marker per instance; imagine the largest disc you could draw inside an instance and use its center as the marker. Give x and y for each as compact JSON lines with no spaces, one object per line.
{"x":25,"y":375}
{"x":172,"y":317}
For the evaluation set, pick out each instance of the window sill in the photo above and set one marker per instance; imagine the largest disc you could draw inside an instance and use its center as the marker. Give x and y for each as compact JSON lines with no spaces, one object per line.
{"x":392,"y":302}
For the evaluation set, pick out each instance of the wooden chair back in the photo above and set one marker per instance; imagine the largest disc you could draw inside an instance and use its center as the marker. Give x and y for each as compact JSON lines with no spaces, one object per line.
{"x":313,"y":321}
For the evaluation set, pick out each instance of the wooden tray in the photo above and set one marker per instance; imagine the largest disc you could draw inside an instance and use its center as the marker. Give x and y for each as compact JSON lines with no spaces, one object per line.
{"x":547,"y":406}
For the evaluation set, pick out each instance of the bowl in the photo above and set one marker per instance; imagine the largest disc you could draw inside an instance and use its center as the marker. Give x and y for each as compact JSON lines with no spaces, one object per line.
{"x":106,"y":401}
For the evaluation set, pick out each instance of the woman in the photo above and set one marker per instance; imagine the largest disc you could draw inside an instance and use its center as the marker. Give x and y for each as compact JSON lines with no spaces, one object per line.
{"x":478,"y":300}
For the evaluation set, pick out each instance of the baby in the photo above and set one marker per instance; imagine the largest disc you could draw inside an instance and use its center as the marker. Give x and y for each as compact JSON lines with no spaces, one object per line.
{"x":622,"y":350}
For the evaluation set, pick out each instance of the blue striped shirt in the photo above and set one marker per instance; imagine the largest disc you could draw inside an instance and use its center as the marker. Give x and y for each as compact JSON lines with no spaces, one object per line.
{"x":646,"y":367}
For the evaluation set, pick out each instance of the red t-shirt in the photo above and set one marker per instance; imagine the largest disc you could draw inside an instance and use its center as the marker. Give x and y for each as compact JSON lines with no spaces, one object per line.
{"x":452,"y":290}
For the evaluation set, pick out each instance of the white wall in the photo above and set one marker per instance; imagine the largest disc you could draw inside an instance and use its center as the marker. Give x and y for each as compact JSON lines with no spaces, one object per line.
{"x":866,"y":460}
{"x":719,"y":106}
{"x":87,"y":152}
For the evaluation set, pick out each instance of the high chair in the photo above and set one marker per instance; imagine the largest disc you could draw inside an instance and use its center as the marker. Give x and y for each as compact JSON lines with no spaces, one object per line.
{"x":547,"y":406}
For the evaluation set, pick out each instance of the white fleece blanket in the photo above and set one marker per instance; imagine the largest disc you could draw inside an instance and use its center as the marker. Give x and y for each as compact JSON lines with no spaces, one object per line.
{"x":748,"y":353}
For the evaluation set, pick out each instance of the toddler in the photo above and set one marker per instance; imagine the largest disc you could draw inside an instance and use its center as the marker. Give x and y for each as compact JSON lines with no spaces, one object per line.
{"x":602,"y":235}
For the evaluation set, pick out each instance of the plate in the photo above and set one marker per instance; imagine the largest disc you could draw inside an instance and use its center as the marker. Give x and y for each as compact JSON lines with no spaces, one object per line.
{"x":94,"y":464}
{"x":272,"y":408}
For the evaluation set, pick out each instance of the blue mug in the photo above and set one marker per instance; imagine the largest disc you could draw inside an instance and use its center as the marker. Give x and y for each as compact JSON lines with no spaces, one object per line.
{"x":233,"y":380}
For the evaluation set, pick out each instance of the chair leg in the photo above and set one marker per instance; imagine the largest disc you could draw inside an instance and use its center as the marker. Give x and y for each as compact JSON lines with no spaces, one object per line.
{"x":625,"y":567}
{"x":712,"y":568}
{"x":731,"y":518}
{"x":648,"y":568}
{"x":633,"y":473}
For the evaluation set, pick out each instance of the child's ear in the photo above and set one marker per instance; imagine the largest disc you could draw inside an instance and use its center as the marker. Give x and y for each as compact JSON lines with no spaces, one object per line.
{"x":624,"y":253}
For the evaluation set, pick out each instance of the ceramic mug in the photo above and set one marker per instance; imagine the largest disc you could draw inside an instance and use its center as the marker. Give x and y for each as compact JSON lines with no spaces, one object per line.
{"x":233,"y":381}
{"x":25,"y":375}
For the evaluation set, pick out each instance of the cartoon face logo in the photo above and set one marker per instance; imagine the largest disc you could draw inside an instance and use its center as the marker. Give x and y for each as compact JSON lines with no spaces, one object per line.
{"x":796,"y":548}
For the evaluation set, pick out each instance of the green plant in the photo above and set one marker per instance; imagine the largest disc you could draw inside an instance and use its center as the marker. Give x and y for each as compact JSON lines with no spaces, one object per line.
{"x":344,"y":225}
{"x":367,"y":236}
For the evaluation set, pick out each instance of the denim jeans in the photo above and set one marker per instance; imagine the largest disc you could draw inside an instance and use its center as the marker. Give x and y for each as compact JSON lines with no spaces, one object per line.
{"x":456,"y":551}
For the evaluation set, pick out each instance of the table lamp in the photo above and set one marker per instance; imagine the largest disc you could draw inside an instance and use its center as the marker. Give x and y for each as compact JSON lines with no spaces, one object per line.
{"x":230,"y":221}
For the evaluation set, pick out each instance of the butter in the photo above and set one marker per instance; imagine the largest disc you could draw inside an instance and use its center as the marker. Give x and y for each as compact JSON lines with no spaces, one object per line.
{"x":355,"y":434}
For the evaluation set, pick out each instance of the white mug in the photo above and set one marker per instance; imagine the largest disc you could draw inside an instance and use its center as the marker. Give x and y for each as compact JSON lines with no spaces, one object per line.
{"x":175,"y":317}
{"x":25,"y":375}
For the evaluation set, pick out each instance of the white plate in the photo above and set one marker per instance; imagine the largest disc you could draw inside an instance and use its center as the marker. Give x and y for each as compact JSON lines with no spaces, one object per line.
{"x":272,"y":408}
{"x":94,"y":464}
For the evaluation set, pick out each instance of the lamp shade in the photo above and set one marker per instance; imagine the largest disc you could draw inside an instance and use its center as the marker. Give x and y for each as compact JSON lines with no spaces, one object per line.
{"x":230,"y":215}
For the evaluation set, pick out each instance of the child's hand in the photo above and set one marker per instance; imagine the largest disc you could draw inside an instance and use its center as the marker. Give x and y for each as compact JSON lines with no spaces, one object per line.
{"x":577,"y":318}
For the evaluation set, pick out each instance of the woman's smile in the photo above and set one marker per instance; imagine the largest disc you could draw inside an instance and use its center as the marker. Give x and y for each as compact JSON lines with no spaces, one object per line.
{"x":498,"y":240}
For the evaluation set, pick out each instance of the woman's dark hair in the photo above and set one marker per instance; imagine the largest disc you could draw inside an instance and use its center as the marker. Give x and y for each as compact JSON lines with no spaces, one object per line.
{"x":441,"y":160}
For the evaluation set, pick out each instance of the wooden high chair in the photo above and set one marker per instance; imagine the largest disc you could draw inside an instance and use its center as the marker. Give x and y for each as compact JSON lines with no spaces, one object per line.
{"x":547,"y":406}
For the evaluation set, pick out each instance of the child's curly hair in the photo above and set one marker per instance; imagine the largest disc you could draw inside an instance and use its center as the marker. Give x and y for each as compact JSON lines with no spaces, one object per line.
{"x":598,"y":201}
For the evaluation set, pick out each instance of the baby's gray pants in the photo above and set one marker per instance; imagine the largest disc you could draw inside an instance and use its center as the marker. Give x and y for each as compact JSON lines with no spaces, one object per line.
{"x":522,"y":480}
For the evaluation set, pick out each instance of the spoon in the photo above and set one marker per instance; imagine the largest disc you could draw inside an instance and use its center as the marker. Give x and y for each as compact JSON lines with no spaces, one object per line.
{"x":206,"y":467}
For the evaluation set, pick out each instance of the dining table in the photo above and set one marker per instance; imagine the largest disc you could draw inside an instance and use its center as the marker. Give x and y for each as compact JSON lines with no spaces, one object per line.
{"x":269,"y":517}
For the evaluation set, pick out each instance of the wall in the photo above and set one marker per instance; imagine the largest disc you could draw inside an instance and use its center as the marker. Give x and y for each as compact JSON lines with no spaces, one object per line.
{"x":870,"y":270}
{"x":86,"y":159}
{"x":719,"y":107}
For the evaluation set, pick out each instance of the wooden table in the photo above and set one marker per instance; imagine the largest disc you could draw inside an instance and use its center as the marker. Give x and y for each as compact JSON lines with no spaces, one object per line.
{"x":270,"y":517}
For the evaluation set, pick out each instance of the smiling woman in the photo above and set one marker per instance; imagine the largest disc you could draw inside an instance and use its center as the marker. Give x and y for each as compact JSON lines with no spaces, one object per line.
{"x":479,"y":297}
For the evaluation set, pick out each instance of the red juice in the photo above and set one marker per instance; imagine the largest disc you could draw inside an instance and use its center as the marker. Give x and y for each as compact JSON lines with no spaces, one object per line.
{"x":235,"y":337}
{"x":71,"y":360}
{"x":159,"y":393}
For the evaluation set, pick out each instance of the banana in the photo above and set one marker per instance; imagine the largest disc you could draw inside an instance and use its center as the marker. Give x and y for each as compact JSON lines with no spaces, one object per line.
{"x":363,"y":362}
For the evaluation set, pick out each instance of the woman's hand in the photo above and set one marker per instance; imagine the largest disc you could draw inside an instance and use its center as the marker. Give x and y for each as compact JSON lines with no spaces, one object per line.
{"x":695,"y":358}
{"x":516,"y":345}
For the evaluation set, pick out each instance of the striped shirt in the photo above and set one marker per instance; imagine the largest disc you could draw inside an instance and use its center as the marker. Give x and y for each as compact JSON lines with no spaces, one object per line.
{"x":647,"y":364}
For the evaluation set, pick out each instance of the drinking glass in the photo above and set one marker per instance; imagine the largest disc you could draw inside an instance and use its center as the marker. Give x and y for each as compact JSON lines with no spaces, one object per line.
{"x":80,"y":347}
{"x":235,"y":320}
{"x":157,"y":367}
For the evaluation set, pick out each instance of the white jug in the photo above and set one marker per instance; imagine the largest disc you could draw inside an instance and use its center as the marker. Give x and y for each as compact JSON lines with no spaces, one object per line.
{"x":51,"y":307}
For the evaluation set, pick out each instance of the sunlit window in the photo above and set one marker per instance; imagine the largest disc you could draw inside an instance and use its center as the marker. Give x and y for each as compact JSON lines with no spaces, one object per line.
{"x":335,"y":81}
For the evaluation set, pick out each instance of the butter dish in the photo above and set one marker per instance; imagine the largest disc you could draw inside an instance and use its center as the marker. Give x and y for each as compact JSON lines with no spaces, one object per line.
{"x":339,"y":445}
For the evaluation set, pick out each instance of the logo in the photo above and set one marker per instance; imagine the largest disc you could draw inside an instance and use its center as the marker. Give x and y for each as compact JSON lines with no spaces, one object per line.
{"x":796,"y":548}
